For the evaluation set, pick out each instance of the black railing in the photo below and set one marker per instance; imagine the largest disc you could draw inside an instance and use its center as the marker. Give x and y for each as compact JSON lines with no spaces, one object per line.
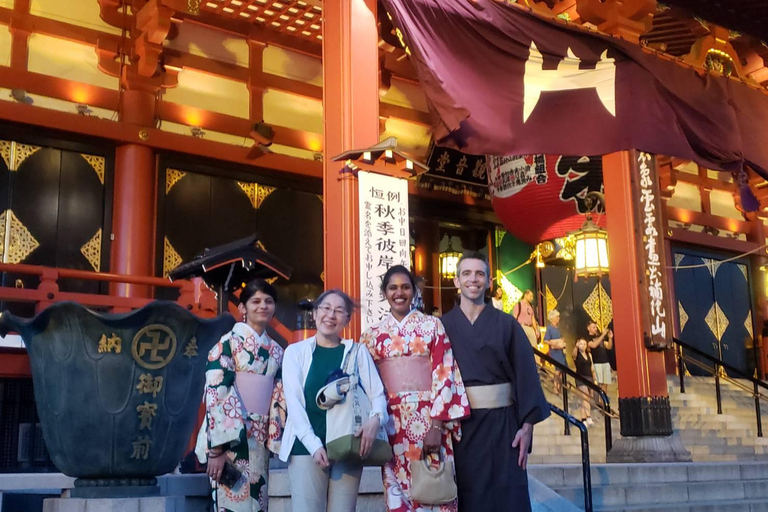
{"x":719,"y":364}
{"x":585,"y":467}
{"x":565,"y":372}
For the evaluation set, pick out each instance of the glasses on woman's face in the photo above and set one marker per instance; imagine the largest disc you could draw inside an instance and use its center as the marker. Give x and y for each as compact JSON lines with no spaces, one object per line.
{"x":328,"y":310}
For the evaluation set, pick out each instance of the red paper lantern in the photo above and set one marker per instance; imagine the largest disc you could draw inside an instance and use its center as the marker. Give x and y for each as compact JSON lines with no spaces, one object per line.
{"x":541,"y":197}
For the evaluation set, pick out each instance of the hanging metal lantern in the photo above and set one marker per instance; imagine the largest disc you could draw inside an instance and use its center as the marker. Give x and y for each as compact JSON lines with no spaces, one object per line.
{"x":449,"y":261}
{"x":591,"y":244}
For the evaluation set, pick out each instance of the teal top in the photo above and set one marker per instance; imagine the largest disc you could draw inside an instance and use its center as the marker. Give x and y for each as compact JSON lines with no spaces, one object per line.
{"x":324,"y":361}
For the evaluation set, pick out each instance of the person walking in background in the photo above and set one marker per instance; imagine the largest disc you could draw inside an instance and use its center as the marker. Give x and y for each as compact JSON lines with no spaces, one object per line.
{"x":582,"y":359}
{"x":425,"y":393}
{"x":497,"y":299}
{"x":418,"y":295}
{"x":554,"y":339}
{"x":318,"y":484}
{"x":243,"y":388}
{"x":599,"y":345}
{"x":523,"y":312}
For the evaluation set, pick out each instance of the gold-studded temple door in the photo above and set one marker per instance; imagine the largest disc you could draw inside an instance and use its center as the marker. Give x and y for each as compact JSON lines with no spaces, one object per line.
{"x":53,"y":206}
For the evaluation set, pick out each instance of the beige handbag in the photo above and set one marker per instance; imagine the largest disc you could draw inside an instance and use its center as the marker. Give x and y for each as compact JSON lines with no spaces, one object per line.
{"x":432,"y":486}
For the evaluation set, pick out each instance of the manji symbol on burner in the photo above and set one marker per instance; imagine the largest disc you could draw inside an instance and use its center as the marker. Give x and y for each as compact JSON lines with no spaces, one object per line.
{"x":154,"y":346}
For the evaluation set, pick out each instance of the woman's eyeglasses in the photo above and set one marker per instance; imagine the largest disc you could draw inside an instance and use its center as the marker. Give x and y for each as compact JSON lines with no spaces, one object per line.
{"x":328,"y":310}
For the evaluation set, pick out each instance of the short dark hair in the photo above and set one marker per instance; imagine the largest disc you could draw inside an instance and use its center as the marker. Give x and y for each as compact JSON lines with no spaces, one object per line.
{"x":349,"y":303}
{"x":474,"y":255}
{"x":257,"y":285}
{"x":393,"y":270}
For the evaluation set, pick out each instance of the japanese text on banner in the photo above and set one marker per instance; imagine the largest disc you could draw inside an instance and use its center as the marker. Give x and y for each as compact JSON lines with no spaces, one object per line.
{"x":384,"y":238}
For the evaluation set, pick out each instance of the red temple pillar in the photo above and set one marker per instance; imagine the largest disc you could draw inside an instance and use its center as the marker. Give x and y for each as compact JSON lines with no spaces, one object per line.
{"x":351,"y":121}
{"x":646,"y":423}
{"x":133,"y":214}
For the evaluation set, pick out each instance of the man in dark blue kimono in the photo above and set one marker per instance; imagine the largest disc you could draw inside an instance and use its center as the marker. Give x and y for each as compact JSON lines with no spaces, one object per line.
{"x":502,"y":382}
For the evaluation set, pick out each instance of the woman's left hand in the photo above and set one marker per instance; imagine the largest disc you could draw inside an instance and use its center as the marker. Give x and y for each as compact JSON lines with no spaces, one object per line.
{"x":367,"y":435}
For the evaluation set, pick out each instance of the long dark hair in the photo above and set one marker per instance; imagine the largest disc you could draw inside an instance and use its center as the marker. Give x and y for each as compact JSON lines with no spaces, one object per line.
{"x":257,"y":285}
{"x":396,"y":269}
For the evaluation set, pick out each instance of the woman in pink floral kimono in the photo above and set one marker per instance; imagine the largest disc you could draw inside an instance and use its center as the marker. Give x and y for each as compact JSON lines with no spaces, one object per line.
{"x":243,"y":390}
{"x":425,"y":393}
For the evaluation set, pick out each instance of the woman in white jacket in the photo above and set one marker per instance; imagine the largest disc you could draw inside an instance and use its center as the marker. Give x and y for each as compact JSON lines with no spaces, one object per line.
{"x":317,"y":484}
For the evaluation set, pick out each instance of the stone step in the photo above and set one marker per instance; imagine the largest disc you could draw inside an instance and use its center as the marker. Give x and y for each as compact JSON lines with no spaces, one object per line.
{"x":667,"y":493}
{"x":640,"y":474}
{"x":758,"y":505}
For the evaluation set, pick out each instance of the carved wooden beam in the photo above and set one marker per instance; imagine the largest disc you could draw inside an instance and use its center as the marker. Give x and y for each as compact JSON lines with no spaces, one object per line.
{"x":563,"y":9}
{"x":627,"y":19}
{"x":110,"y":13}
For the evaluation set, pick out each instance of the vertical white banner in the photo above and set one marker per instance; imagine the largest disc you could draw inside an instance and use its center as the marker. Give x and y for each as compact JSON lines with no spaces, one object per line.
{"x":384,"y":238}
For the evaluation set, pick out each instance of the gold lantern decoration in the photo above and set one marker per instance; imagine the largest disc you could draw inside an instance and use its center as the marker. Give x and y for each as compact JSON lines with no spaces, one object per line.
{"x":591,"y":245}
{"x":449,"y":261}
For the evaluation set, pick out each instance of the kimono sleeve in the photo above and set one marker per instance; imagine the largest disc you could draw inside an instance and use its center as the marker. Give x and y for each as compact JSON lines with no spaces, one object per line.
{"x":368,"y":340}
{"x":277,"y":415}
{"x":532,"y":406}
{"x":223,"y":406}
{"x":449,"y":399}
{"x":372,"y":384}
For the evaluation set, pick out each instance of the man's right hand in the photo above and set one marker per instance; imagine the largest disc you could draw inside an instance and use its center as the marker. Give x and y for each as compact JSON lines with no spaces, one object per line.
{"x":321,"y":458}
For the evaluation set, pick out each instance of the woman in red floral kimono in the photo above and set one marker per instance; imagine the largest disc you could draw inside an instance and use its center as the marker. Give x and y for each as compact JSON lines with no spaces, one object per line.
{"x":425,"y":393}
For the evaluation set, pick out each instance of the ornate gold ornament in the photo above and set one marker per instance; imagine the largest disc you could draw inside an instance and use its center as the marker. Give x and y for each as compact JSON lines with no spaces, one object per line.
{"x":712,"y":265}
{"x":255,"y":192}
{"x":97,"y":163}
{"x":683,"y":315}
{"x":599,"y":307}
{"x":718,"y":61}
{"x":193,"y":7}
{"x":500,"y":236}
{"x":748,"y":324}
{"x":550,"y":299}
{"x":171,"y":258}
{"x":172,"y":177}
{"x":20,"y":153}
{"x":143,"y":134}
{"x":21,"y":242}
{"x":5,"y":152}
{"x":743,"y":269}
{"x":92,"y":251}
{"x":511,"y":294}
{"x":154,"y":346}
{"x":716,"y":321}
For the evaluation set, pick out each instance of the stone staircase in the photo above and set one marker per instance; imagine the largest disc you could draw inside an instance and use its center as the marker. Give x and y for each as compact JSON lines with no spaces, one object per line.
{"x":680,"y":487}
{"x":731,"y":436}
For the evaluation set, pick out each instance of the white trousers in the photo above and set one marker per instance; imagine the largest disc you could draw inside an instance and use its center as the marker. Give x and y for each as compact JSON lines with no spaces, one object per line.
{"x":316,"y":489}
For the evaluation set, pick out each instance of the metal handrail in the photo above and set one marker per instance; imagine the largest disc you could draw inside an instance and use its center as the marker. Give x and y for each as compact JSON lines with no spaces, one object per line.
{"x":585,"y":467}
{"x":720,"y":364}
{"x":605,"y":406}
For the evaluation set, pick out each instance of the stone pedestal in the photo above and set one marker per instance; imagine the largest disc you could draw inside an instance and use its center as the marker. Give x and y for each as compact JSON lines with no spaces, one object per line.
{"x":648,"y":449}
